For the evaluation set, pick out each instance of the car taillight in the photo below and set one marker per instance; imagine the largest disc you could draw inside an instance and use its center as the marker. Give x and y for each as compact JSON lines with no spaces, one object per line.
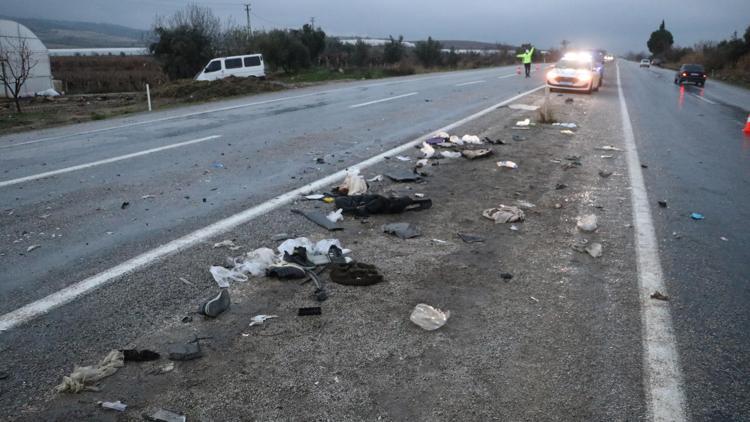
{"x":705,"y":76}
{"x":684,"y":73}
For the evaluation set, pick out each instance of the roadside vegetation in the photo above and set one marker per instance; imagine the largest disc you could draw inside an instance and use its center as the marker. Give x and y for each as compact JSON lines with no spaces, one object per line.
{"x":727,"y":60}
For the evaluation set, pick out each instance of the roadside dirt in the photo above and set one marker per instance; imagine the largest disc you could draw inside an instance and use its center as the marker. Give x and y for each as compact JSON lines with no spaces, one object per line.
{"x":558,"y":341}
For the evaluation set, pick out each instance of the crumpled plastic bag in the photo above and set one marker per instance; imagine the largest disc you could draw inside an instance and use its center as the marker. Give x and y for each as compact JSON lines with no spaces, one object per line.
{"x":504,"y":214}
{"x":353,"y":184}
{"x":428,"y":317}
{"x":471,"y":139}
{"x":256,"y":262}
{"x":427,"y":150}
{"x":455,"y":140}
{"x":84,"y":377}
{"x":323,"y":246}
{"x":223,"y":276}
{"x":289,"y":245}
{"x":443,"y":135}
{"x":450,"y":154}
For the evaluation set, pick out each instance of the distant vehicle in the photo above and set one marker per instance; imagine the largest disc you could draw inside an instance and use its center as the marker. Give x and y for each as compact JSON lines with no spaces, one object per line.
{"x":251,"y":65}
{"x":645,"y":63}
{"x":574,"y":72}
{"x":609,"y":58}
{"x":691,"y":73}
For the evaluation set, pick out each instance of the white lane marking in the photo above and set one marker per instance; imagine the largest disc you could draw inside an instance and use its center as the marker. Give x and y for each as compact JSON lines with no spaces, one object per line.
{"x":70,"y":293}
{"x":383,"y":100}
{"x":507,"y":76}
{"x":471,"y":83}
{"x":101,"y":162}
{"x":703,"y":98}
{"x":662,"y":376}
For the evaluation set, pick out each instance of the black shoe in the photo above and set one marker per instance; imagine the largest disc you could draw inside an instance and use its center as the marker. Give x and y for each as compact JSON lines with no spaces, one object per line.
{"x":217,"y":305}
{"x":299,"y":257}
{"x":288,"y":271}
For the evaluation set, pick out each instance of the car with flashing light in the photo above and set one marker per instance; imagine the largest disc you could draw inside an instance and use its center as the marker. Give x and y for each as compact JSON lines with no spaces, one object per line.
{"x":691,"y":73}
{"x":609,"y":58}
{"x":574,"y":72}
{"x":645,"y":63}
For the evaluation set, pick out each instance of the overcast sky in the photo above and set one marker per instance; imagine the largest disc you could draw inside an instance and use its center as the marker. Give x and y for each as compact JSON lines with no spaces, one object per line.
{"x":618,"y":26}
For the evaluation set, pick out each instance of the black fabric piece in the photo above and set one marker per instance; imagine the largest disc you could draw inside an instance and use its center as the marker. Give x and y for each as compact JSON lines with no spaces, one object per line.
{"x":299,"y":257}
{"x":133,"y":355}
{"x":320,"y":219}
{"x":364,"y":205}
{"x":403,"y":176}
{"x":315,"y":310}
{"x":470,"y":238}
{"x":356,"y":274}
{"x":286,"y":272}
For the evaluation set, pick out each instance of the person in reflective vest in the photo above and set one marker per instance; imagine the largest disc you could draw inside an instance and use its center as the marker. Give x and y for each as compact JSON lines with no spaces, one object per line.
{"x":526,"y":59}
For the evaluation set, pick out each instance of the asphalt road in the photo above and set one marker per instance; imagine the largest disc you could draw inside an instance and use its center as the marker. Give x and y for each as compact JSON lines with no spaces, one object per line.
{"x":249,"y":150}
{"x":262,"y":145}
{"x":699,"y":161}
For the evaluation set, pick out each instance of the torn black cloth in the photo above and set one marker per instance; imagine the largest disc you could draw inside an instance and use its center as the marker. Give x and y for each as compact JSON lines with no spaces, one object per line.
{"x":364,"y":205}
{"x":133,"y":355}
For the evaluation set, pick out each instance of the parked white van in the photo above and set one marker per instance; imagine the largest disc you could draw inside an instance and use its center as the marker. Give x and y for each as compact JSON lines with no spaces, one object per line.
{"x":239,"y":66}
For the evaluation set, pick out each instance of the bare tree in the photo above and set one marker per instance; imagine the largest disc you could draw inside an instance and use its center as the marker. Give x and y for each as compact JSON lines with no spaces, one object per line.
{"x":17,"y":61}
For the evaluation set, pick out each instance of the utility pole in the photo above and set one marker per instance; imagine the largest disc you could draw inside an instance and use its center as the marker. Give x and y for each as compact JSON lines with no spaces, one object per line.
{"x":247,"y":10}
{"x":312,"y":22}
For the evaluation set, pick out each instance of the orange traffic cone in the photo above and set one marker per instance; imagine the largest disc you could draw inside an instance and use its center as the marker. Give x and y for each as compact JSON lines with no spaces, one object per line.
{"x":518,"y":70}
{"x":747,"y":126}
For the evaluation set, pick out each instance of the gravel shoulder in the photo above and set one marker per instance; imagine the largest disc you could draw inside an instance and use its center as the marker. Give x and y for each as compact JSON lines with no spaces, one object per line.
{"x":559,"y":341}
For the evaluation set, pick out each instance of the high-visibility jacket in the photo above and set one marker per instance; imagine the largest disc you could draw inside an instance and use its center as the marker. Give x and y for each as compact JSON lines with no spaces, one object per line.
{"x":526,"y":57}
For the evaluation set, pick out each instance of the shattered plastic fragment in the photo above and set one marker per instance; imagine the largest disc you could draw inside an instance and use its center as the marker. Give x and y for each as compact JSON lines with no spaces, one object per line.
{"x":33,"y":247}
{"x":587,"y":223}
{"x":402,"y":158}
{"x":429,"y":318}
{"x":260,"y":319}
{"x":507,"y":164}
{"x":227,"y":243}
{"x":522,"y":123}
{"x":609,"y":148}
{"x":471,"y":139}
{"x":659,"y":296}
{"x":378,"y":178}
{"x":315,"y":197}
{"x":697,"y":216}
{"x":567,"y":132}
{"x":594,"y":249}
{"x":117,"y":405}
{"x":223,"y":276}
{"x":450,"y":154}
{"x":335,"y":216}
{"x":427,"y":150}
{"x":567,"y":125}
{"x":473,"y":154}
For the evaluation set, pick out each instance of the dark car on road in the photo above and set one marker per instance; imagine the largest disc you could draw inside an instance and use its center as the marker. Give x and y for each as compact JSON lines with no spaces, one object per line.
{"x":691,"y":73}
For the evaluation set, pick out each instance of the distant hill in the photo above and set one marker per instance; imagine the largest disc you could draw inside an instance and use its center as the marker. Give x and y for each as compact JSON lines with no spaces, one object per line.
{"x":71,"y":34}
{"x":474,"y":45}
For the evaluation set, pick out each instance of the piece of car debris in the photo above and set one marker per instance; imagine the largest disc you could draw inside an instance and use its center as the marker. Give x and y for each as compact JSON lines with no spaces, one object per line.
{"x":659,"y":296}
{"x":663,"y":204}
{"x":315,"y":310}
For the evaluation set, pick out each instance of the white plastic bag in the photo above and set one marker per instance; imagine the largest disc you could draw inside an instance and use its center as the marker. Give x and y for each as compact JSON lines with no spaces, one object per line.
{"x":507,"y":164}
{"x":456,"y":140}
{"x":471,"y":139}
{"x":450,"y":154}
{"x":427,"y":150}
{"x":428,"y":317}
{"x":223,"y":276}
{"x":322,"y":247}
{"x":256,"y":262}
{"x":354,"y":184}
{"x":289,"y":245}
{"x":335,"y":216}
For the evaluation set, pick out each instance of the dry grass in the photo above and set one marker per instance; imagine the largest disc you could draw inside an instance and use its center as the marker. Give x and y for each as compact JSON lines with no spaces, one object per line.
{"x":107,"y":74}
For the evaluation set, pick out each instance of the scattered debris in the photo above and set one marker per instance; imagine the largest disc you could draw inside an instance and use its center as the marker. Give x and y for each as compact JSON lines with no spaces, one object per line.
{"x":659,"y":296}
{"x":356,"y":274}
{"x":149,"y":196}
{"x":724,"y":239}
{"x":663,"y":204}
{"x":422,"y":163}
{"x":471,"y":139}
{"x":608,"y":148}
{"x":185,"y":352}
{"x":567,"y":125}
{"x":260,"y":319}
{"x":644,"y":166}
{"x":497,"y":141}
{"x":506,"y":276}
{"x":403,"y":176}
{"x":534,"y":299}
{"x":567,"y":132}
{"x":606,"y":156}
{"x":84,"y":377}
{"x":429,"y":318}
{"x":320,"y":219}
{"x":568,"y":101}
{"x":184,"y":280}
{"x":522,"y":123}
{"x":124,"y":205}
{"x":605,"y":173}
{"x":518,"y":138}
{"x":315,"y":310}
{"x":473,"y":154}
{"x":315,"y":197}
{"x":216,"y":306}
{"x":217,"y":165}
{"x":227,"y":244}
{"x":560,"y":186}
{"x":335,"y":216}
{"x":427,"y":150}
{"x":33,"y":247}
{"x":594,"y":249}
{"x":402,"y":230}
{"x":223,"y":276}
{"x":134,"y":355}
{"x":470,"y":238}
{"x":587,"y":223}
{"x":523,"y":107}
{"x":162,"y":415}
{"x":513,"y":227}
{"x":504,"y":214}
{"x":450,"y":154}
{"x":378,"y":178}
{"x":525,"y":204}
{"x":162,"y":369}
{"x":676,"y":235}
{"x":507,"y":164}
{"x":402,"y":158}
{"x":697,"y":216}
{"x":118,"y":405}
{"x":254,"y":263}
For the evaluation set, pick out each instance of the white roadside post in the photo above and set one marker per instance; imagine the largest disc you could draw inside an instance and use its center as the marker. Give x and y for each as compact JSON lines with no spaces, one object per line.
{"x":148,"y":96}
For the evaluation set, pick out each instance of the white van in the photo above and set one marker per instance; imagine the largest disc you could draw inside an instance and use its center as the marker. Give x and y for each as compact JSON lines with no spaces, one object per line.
{"x":239,"y":66}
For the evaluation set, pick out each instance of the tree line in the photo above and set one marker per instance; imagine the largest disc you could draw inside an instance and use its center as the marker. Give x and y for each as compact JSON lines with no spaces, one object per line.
{"x":186,"y":41}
